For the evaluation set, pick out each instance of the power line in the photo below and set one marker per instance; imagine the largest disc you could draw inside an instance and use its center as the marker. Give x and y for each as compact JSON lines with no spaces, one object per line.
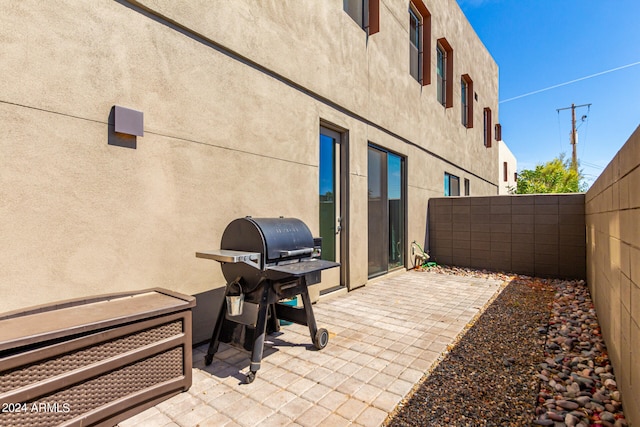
{"x":591,"y":165}
{"x":569,"y":82}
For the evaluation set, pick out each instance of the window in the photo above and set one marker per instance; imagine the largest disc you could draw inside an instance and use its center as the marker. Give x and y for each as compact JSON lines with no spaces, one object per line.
{"x":444,"y":73}
{"x":440,"y":73}
{"x":467,"y":186}
{"x":515,"y":176}
{"x":419,"y":41}
{"x":451,"y":185}
{"x":415,"y":39}
{"x":487,"y":127}
{"x":498,"y":132}
{"x":365,"y":12}
{"x":505,"y":171}
{"x":466,"y":93}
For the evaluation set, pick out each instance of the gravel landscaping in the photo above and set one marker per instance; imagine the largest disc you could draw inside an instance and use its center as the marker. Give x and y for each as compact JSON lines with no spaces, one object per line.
{"x":535,"y":356}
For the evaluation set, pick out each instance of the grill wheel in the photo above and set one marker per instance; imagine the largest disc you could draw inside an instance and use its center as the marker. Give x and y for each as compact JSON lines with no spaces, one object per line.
{"x":321,"y":339}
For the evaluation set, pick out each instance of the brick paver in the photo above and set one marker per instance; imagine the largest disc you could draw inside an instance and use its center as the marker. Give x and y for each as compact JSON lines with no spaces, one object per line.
{"x":383,"y":337}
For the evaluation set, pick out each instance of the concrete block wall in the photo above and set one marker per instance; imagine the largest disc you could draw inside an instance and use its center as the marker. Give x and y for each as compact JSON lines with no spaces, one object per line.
{"x":540,"y":235}
{"x":613,"y":272}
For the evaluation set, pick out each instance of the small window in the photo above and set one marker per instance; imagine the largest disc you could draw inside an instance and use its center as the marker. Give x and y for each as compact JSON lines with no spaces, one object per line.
{"x":415,"y":39}
{"x":419,"y":41}
{"x":515,"y":176}
{"x":451,"y":185}
{"x":365,"y":12}
{"x":440,"y":73}
{"x":487,"y":127}
{"x":498,"y":132}
{"x":466,"y":100}
{"x":444,"y":73}
{"x":466,"y":187}
{"x":505,"y":171}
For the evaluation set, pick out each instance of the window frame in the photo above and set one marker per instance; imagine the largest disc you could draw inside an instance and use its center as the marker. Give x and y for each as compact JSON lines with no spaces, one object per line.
{"x":468,"y":107}
{"x":370,"y":19}
{"x":441,"y":72}
{"x":447,"y":184}
{"x":487,"y":127}
{"x":423,"y":75}
{"x":446,"y":99}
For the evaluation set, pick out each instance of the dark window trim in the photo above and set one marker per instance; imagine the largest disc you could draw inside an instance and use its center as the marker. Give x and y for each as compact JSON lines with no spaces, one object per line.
{"x":487,"y":127}
{"x":374,"y":17}
{"x":370,"y":19}
{"x":425,"y":62}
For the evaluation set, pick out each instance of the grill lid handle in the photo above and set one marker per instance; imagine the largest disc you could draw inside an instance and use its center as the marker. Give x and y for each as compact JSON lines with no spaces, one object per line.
{"x":296,"y":252}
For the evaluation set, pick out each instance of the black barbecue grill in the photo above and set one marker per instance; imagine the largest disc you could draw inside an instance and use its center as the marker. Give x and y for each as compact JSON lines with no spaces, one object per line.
{"x":265,"y":260}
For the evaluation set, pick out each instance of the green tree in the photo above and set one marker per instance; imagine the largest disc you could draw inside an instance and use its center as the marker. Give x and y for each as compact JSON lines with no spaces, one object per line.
{"x":555,"y":176}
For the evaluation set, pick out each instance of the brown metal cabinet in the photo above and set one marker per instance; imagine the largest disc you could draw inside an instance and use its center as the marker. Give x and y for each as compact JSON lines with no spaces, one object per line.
{"x":94,"y":361}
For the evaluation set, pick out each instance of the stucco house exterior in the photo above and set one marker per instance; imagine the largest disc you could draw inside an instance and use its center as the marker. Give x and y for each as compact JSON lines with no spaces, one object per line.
{"x":507,"y":169}
{"x":348,"y":115}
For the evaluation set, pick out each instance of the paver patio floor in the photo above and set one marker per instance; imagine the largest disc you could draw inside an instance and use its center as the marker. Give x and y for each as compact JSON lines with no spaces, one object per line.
{"x":383,"y":338}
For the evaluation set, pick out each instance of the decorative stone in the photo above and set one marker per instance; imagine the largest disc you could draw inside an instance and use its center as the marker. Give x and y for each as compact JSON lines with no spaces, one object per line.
{"x":583,"y":400}
{"x":571,"y":420}
{"x":607,"y":416}
{"x":567,"y":404}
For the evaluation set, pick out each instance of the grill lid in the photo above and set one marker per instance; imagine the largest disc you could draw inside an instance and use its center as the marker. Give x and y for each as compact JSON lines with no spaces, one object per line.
{"x":275,"y":238}
{"x":259,"y":249}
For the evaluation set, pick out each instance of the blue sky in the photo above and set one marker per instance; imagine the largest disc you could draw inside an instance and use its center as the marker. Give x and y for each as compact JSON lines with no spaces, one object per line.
{"x":538,"y":44}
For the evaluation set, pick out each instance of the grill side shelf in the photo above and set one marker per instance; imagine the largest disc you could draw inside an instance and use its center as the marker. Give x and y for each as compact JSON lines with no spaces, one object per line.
{"x":233,"y":257}
{"x":301,"y":268}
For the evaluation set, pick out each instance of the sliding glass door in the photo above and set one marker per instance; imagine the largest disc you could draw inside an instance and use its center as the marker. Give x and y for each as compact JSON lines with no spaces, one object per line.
{"x":386,"y":211}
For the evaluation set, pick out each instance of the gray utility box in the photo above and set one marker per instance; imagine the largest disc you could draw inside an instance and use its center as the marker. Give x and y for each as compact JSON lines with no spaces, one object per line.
{"x":94,"y":361}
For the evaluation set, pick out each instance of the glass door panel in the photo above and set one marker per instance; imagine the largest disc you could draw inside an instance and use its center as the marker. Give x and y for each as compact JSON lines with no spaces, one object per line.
{"x":377,"y":211}
{"x":386,"y":211}
{"x":396,"y":211}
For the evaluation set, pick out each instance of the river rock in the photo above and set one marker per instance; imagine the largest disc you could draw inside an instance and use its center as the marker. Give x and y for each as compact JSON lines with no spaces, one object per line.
{"x":571,"y":420}
{"x":567,"y":404}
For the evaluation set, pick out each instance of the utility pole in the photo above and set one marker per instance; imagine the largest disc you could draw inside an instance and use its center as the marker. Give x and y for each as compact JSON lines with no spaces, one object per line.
{"x":574,"y":133}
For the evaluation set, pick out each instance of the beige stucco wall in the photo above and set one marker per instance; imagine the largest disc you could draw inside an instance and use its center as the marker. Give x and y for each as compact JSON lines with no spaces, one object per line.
{"x":233,"y":94}
{"x":505,"y":155}
{"x":613,"y":266}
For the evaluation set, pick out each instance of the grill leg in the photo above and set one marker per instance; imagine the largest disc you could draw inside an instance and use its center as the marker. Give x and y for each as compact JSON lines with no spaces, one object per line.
{"x":273,"y":324}
{"x":319,"y":337}
{"x":261,"y":329}
{"x":308,"y":311}
{"x":215,"y":337}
